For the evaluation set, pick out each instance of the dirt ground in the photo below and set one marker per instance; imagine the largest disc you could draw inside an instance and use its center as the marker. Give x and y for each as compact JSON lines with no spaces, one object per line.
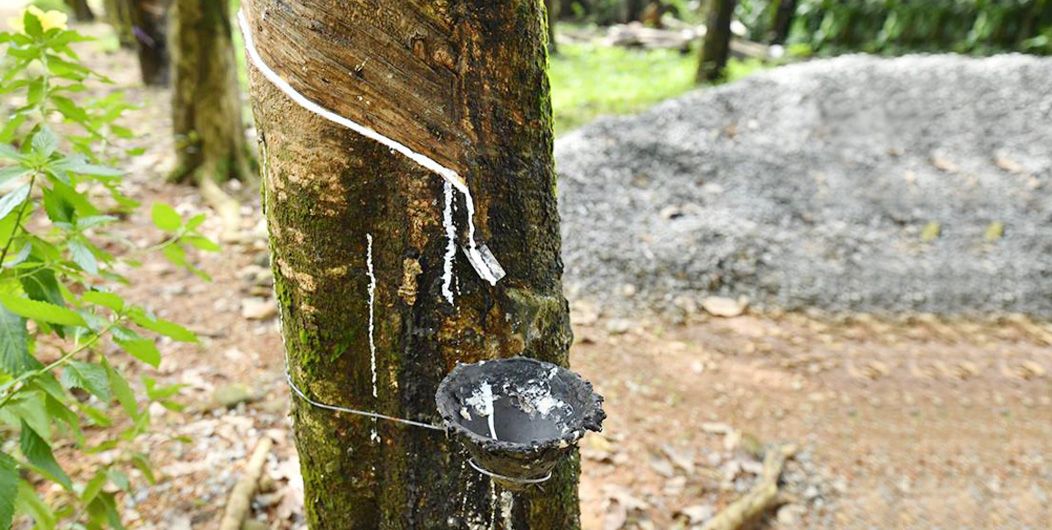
{"x":912,"y":422}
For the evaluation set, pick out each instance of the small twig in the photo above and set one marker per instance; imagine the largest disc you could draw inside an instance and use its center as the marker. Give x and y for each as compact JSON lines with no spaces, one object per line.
{"x":241,"y":496}
{"x":759,"y":499}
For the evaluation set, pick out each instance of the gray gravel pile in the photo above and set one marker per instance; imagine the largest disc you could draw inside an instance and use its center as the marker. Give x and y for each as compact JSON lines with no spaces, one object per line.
{"x":920,"y":183}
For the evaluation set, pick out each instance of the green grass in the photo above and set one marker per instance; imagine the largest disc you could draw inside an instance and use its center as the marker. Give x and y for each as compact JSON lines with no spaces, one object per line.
{"x":591,"y":80}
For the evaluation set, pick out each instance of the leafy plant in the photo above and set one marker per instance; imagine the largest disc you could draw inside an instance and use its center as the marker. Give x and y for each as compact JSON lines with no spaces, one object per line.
{"x":59,"y":263}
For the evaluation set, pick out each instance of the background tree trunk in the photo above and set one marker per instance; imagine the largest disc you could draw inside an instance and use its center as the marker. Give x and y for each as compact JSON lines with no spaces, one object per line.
{"x":207,"y":113}
{"x":633,"y":10}
{"x":81,"y":10}
{"x":118,"y":15}
{"x":551,"y":10}
{"x":575,"y":9}
{"x":716,"y":48}
{"x":149,"y":21}
{"x":783,"y":21}
{"x":359,"y":244}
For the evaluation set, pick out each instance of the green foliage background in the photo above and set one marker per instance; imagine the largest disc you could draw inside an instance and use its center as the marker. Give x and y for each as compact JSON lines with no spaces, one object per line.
{"x":898,"y":26}
{"x":60,"y":279}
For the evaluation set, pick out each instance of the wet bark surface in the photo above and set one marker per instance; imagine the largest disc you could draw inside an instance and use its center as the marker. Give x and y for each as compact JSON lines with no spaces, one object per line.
{"x":206,"y":103}
{"x":359,"y":245}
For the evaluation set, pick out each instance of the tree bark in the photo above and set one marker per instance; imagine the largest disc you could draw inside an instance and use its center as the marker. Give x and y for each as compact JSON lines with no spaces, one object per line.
{"x":207,"y":113}
{"x":716,"y":48}
{"x":149,"y":20}
{"x":633,"y":10}
{"x":783,"y":21}
{"x":118,"y":15}
{"x":359,"y":244}
{"x":81,"y":10}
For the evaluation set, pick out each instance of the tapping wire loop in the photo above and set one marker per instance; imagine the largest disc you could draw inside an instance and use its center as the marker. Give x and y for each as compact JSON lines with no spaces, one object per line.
{"x":296,"y":390}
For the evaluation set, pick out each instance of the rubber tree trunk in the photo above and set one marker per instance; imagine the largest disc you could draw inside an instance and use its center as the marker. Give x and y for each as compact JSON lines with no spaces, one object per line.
{"x":207,"y":115}
{"x":715,"y":50}
{"x":783,"y":21}
{"x":81,"y":10}
{"x":149,"y":21}
{"x":359,"y":244}
{"x":118,"y":15}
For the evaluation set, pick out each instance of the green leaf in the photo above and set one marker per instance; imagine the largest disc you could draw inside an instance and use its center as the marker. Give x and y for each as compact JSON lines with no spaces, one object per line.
{"x":195,"y":221}
{"x":93,"y":487}
{"x":118,"y":478}
{"x":8,"y":489}
{"x":122,"y":390}
{"x":30,"y":407}
{"x":142,"y":349}
{"x":79,"y":200}
{"x":165,"y":217}
{"x":11,"y":127}
{"x":202,"y":243}
{"x":104,"y":509}
{"x":31,"y":25}
{"x":40,"y":284}
{"x":156,"y":393}
{"x":15,"y":358}
{"x":83,"y":256}
{"x":44,"y":142}
{"x":35,"y":91}
{"x":30,"y":504}
{"x":57,"y":207}
{"x":96,"y":416}
{"x":90,"y":377}
{"x":122,"y":132}
{"x":67,"y":70}
{"x":142,"y":463}
{"x":104,"y":299}
{"x":92,"y":221}
{"x":58,"y":410}
{"x":8,"y":152}
{"x":39,"y":455}
{"x":40,"y":311}
{"x":82,"y":167}
{"x":162,"y":326}
{"x":20,"y":257}
{"x":13,"y":200}
{"x":13,"y":172}
{"x":176,"y":255}
{"x":69,"y":109}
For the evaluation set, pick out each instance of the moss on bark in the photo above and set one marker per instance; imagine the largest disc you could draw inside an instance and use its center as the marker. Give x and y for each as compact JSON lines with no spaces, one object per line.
{"x":328,"y":192}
